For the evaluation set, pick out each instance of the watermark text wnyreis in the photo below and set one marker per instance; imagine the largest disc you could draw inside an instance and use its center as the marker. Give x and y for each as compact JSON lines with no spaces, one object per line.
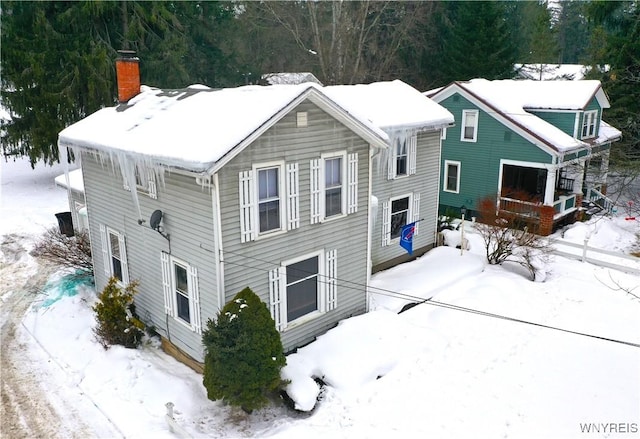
{"x":609,"y":427}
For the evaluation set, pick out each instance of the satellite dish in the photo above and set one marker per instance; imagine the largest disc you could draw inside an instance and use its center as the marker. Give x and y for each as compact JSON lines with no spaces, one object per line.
{"x":156,"y":217}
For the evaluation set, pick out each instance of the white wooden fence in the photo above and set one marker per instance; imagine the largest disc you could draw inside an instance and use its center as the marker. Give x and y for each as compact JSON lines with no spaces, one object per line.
{"x":604,"y":258}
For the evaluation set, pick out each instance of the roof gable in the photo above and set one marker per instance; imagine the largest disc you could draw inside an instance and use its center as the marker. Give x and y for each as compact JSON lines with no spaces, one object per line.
{"x":199,"y":128}
{"x":508,"y":102}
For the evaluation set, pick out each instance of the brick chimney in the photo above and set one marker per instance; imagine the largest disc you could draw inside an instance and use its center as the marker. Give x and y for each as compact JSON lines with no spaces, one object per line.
{"x":128,"y":75}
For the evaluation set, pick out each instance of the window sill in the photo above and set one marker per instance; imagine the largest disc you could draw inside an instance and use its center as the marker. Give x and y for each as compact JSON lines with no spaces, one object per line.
{"x":469,"y":140}
{"x":266,"y":235}
{"x":450,"y":191}
{"x":333,"y":218}
{"x":189,"y":326}
{"x":303,"y":320}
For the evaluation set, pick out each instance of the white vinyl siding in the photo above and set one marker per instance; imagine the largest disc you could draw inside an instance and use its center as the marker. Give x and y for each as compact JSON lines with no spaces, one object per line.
{"x":181,"y":293}
{"x":402,"y":158}
{"x":303,"y":287}
{"x":469,"y":130}
{"x":264,"y":208}
{"x":451,"y":181}
{"x":589,"y":124}
{"x":333,"y":186}
{"x":114,"y":254}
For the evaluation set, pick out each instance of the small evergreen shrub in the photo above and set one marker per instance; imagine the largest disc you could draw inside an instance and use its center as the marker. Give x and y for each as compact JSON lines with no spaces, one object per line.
{"x":243,"y":353}
{"x":117,"y":323}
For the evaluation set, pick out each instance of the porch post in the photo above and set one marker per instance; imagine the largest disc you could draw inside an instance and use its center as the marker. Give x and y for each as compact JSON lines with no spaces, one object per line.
{"x":604,"y":171}
{"x":579,"y":178}
{"x":550,"y":186}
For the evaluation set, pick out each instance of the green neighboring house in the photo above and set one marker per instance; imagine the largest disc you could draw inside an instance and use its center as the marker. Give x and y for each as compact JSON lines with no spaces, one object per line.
{"x":539,"y":147}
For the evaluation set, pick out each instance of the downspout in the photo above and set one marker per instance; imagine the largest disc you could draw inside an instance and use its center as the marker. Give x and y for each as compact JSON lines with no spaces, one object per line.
{"x":217,"y":236}
{"x":439,"y":173}
{"x":369,"y":227}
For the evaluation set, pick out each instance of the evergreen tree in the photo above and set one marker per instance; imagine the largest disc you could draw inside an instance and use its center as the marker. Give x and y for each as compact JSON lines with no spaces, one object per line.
{"x":476,"y":41}
{"x":243,"y":353}
{"x":573,"y":32}
{"x":537,"y":42}
{"x":58,"y":59}
{"x":116,"y":322}
{"x":616,"y":43}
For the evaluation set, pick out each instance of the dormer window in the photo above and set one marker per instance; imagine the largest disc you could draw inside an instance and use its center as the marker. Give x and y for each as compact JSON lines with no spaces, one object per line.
{"x":589,"y":124}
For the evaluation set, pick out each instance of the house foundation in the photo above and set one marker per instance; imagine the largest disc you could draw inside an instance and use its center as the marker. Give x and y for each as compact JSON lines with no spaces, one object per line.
{"x":177,"y":353}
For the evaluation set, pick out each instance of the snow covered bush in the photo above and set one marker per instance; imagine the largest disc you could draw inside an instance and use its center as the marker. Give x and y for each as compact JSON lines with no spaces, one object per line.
{"x":117,"y":323}
{"x":72,"y":252}
{"x":508,"y":238}
{"x":243,"y":353}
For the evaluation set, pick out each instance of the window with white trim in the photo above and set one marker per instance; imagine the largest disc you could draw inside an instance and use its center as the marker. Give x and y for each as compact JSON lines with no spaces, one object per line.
{"x":402,"y":157}
{"x":589,"y":120}
{"x":333,"y":186}
{"x":469,"y":131}
{"x":114,"y":254}
{"x":181,"y":294}
{"x":398,"y":212}
{"x":451,"y":176}
{"x":269,"y":199}
{"x":145,"y":182}
{"x":302,"y":287}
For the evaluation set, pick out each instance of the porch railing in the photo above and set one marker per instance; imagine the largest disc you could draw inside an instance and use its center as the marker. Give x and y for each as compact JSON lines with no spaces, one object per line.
{"x":563,"y":204}
{"x":519,"y":207}
{"x":565,"y":184}
{"x":595,"y":196}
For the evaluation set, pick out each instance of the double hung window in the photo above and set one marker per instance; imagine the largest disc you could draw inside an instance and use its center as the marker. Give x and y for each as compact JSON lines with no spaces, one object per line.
{"x":181,"y":294}
{"x":114,"y":253}
{"x":589,"y":124}
{"x":398,"y":212}
{"x":402,"y":157}
{"x":451,"y":176}
{"x":469,"y":132}
{"x":333,"y":186}
{"x":268,"y":200}
{"x":303,"y":288}
{"x":145,"y":181}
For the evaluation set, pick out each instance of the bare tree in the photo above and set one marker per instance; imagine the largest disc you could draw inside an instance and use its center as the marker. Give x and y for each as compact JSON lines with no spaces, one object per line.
{"x":72,"y":252}
{"x":507,"y":239}
{"x":353,"y":41}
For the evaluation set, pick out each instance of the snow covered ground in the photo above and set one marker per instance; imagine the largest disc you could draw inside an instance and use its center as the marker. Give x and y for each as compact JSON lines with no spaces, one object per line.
{"x":431,"y":371}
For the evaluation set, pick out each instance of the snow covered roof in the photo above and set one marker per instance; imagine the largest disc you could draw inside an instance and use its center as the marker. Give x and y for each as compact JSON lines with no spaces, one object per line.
{"x":391,"y":105}
{"x":512,"y":100}
{"x":290,"y":78}
{"x":199,"y":129}
{"x":195,"y":127}
{"x":76,"y":182}
{"x":607,"y":133}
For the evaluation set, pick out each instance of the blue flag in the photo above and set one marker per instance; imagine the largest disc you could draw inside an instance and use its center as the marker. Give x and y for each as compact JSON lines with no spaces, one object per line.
{"x":406,"y":237}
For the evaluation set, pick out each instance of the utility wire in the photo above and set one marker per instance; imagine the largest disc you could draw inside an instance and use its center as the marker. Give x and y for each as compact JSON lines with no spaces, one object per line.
{"x":420,"y":300}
